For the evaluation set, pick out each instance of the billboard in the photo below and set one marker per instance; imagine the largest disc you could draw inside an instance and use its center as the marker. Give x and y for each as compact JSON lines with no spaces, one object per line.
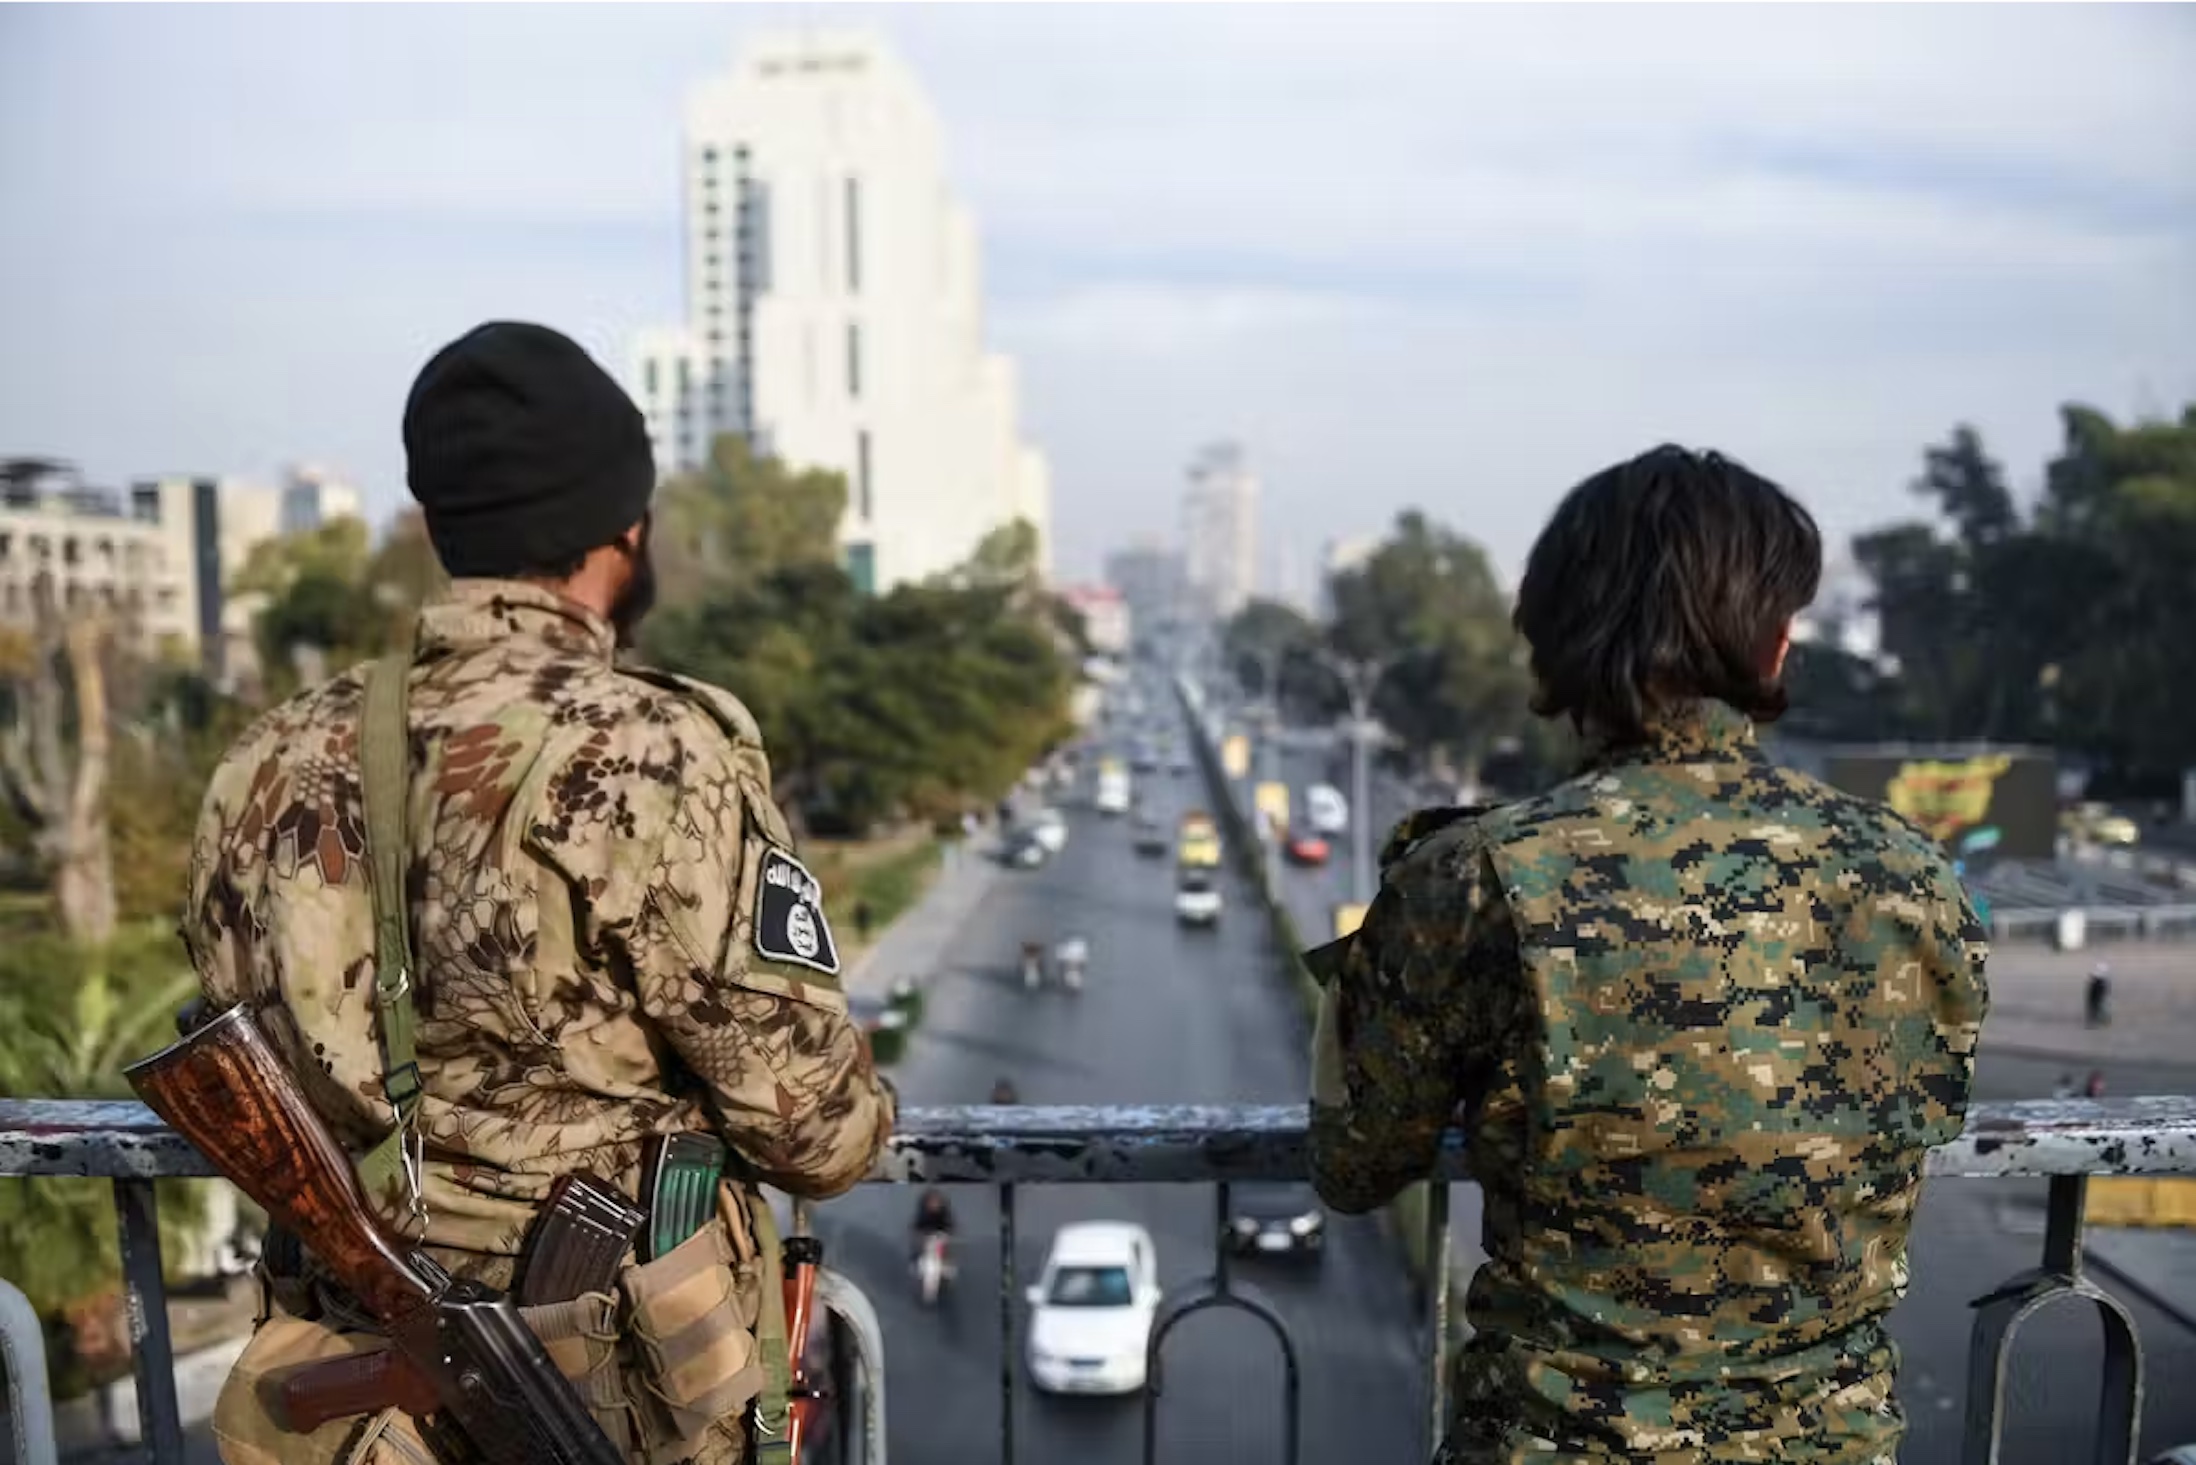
{"x":2001,"y":800}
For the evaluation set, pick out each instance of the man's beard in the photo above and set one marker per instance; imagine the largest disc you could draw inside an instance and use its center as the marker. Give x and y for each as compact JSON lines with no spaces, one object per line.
{"x":639,"y":595}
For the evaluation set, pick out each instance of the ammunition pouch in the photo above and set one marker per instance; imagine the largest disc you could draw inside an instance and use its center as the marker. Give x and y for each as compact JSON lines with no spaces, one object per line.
{"x":690,"y":1320}
{"x":581,"y":1338}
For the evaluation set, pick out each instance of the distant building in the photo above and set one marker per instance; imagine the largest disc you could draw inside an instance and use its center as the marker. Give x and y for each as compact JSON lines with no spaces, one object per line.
{"x":1220,"y":531}
{"x":834,"y":309}
{"x":1340,"y":557}
{"x":313,"y":498}
{"x":1106,"y":617}
{"x":155,"y":559}
{"x":1153,"y":584}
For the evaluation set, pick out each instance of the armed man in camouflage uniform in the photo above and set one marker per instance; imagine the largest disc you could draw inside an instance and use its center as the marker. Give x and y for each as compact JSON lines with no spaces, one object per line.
{"x":613,"y":939}
{"x":1700,"y":1017}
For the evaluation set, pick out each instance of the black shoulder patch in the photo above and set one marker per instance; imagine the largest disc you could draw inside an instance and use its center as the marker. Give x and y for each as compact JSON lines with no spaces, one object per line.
{"x":789,"y":915}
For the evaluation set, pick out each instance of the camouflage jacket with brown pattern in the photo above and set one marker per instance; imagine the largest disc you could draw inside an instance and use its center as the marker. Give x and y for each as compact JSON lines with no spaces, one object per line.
{"x":584,"y":876}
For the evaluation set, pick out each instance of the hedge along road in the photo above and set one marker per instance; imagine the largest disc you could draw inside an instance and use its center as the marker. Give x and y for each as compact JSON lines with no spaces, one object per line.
{"x":1166,"y":1016}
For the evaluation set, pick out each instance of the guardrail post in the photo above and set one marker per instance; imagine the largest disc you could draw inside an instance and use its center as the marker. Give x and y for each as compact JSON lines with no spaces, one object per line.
{"x":1218,"y":1290}
{"x":845,"y":1301}
{"x":23,"y":1356}
{"x":145,"y":1295}
{"x":1437,"y":1313}
{"x":2000,"y":1314}
{"x":1007,"y":1303}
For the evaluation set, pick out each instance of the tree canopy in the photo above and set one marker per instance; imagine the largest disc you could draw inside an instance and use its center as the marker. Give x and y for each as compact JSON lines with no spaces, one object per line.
{"x":915,"y":704}
{"x":2072,"y":623}
{"x":1428,"y":610}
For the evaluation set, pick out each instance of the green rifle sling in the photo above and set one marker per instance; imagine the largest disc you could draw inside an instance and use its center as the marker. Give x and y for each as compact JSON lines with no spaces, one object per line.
{"x":772,"y":1416}
{"x":385,"y":777}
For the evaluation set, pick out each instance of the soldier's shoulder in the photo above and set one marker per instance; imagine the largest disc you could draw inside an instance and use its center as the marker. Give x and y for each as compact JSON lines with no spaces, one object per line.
{"x":678,"y":694}
{"x":316,"y":723}
{"x":1859,"y":824}
{"x":1438,"y":840}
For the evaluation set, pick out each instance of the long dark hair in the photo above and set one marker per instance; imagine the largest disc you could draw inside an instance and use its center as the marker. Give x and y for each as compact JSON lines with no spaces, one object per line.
{"x":1660,"y":581}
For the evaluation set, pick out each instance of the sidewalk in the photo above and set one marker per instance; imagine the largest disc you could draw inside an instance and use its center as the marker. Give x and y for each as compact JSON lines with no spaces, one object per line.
{"x":2036,"y":1003}
{"x":909,"y":947}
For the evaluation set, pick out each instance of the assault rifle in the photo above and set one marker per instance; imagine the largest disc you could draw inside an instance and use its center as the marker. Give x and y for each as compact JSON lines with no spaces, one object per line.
{"x":224,"y":1089}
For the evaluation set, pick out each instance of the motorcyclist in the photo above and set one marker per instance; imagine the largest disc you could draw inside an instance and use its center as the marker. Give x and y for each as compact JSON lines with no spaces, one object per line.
{"x":933,"y":1217}
{"x":1073,"y":952}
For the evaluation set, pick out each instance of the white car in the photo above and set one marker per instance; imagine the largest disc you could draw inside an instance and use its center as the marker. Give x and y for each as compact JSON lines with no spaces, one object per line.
{"x":1197,"y":899}
{"x":1050,"y":829}
{"x":1090,"y":1313}
{"x":1325,"y":809}
{"x":1114,"y":793}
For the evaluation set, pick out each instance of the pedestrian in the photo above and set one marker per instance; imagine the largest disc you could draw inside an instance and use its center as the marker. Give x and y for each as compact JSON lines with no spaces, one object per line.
{"x":1658,"y":994}
{"x":608,"y":909}
{"x":2095,"y":1087}
{"x":861,"y":921}
{"x":2065,"y":1088}
{"x":2097,"y":1004}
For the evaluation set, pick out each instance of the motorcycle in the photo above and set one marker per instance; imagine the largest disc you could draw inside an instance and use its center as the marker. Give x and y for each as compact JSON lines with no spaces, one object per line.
{"x":932,"y":1268}
{"x":1072,"y":957}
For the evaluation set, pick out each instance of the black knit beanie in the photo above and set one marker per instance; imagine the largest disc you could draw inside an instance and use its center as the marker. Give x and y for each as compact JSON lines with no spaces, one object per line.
{"x":522,"y":451}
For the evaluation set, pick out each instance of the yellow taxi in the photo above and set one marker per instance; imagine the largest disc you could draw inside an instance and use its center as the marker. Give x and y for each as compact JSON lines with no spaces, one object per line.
{"x":1197,"y":842}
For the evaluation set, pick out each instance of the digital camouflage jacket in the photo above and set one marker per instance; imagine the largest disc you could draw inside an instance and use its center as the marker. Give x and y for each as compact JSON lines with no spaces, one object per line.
{"x":1700,"y":1017}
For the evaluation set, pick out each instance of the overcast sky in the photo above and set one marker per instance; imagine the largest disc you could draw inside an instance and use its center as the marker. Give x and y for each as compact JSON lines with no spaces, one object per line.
{"x":1452,"y":258}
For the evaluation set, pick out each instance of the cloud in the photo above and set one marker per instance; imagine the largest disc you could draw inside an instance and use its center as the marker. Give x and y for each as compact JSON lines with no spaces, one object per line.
{"x":1449,"y":256}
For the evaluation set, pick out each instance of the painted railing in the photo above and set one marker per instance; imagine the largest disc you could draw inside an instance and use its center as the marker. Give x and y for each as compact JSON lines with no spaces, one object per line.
{"x":2062,"y":1141}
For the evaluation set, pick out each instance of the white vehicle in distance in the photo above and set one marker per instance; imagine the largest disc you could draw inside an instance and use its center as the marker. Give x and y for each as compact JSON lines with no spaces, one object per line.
{"x":1325,"y":809}
{"x":1090,"y":1313}
{"x":1049,"y":827}
{"x":1114,"y":792}
{"x":1197,"y":899}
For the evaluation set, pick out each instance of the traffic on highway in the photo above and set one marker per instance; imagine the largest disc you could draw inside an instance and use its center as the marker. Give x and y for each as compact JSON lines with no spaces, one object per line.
{"x":1179,"y":1002}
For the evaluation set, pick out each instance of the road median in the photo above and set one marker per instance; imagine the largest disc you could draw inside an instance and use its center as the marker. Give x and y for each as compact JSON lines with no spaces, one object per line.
{"x":1406,"y":1215}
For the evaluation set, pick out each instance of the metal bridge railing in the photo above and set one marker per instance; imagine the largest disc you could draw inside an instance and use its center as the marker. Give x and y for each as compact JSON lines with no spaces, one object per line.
{"x":2063,"y":1141}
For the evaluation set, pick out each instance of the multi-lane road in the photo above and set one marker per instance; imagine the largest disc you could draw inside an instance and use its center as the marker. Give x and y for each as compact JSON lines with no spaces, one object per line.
{"x":1167,"y":1016}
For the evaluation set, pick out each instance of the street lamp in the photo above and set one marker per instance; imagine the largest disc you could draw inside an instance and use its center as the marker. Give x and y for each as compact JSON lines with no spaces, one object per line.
{"x":1360,"y":677}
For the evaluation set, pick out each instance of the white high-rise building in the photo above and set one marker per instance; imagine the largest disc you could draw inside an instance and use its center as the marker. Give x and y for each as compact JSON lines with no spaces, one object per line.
{"x":834,"y":308}
{"x":1220,"y":530}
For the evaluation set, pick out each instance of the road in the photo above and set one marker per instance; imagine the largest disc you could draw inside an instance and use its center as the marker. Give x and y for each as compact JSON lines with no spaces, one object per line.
{"x":1969,"y":1236}
{"x":1167,"y":1016}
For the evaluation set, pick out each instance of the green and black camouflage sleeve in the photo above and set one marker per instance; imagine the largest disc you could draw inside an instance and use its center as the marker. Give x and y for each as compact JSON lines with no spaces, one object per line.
{"x":1419,"y":1006}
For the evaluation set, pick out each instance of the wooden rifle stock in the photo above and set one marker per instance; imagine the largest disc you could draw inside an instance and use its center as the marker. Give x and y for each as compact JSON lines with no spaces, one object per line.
{"x":226,"y":1090}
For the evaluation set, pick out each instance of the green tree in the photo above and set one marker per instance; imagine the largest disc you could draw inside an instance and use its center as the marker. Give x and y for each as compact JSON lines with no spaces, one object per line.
{"x":2070,"y":625}
{"x":1428,"y":604}
{"x":911,"y":705}
{"x":740,"y":517}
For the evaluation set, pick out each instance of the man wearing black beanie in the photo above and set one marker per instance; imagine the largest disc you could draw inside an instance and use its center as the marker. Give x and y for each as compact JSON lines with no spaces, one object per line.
{"x":611,"y":939}
{"x":527,"y":458}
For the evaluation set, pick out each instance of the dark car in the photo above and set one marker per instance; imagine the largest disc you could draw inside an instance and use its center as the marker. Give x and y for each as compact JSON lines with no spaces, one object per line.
{"x":1275,"y":1218}
{"x":1024,"y":851}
